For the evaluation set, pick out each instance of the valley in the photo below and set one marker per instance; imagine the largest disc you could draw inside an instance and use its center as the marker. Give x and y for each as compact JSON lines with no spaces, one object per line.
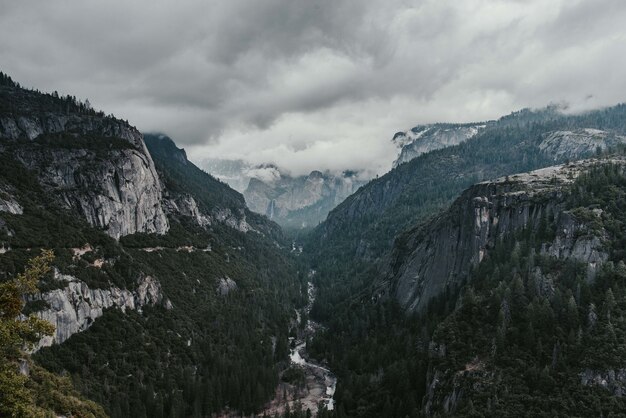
{"x":317,"y":384}
{"x":484,"y":273}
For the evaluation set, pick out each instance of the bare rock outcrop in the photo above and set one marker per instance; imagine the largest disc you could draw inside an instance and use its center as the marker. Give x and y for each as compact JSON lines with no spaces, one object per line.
{"x":76,"y":306}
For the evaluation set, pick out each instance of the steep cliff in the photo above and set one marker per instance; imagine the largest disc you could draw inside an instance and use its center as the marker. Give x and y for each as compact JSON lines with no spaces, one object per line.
{"x":8,"y":202}
{"x":519,"y":142}
{"x":441,"y":254}
{"x":353,"y":242}
{"x":516,"y":295}
{"x":537,"y":325}
{"x":96,"y":165}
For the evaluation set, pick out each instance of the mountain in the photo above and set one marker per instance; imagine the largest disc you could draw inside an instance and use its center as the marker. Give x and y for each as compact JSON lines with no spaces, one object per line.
{"x":548,"y":329}
{"x":517,"y":293}
{"x":365,"y":225}
{"x":300,"y":202}
{"x":111,"y":183}
{"x":169,"y":297}
{"x":294,"y":202}
{"x":194,"y":193}
{"x":483,"y":276}
{"x":425,"y":138}
{"x":440,"y":255}
{"x":396,"y":259}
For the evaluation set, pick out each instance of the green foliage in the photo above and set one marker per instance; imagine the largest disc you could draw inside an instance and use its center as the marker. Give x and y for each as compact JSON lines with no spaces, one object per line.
{"x":517,"y":338}
{"x":16,"y":101}
{"x":6,"y":80}
{"x":359,"y":233}
{"x":16,"y":335}
{"x":293,"y":375}
{"x":208,"y":351}
{"x":36,"y":393}
{"x":181,"y":176}
{"x":218,"y":350}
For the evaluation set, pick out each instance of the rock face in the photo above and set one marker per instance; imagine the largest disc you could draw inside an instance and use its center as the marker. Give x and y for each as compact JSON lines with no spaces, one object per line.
{"x":574,"y":240}
{"x":225,"y":285}
{"x":366,"y":223}
{"x":613,"y":380}
{"x":425,"y":138}
{"x":579,"y":143}
{"x":120,"y":193}
{"x":299,"y":201}
{"x":8,"y":203}
{"x":97,"y":165}
{"x":230,"y":219}
{"x":291,"y":201}
{"x":186,"y":205}
{"x":75,"y":307}
{"x":440,"y":254}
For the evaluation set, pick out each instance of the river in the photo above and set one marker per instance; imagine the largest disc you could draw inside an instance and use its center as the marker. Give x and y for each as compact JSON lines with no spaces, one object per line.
{"x":319,"y":382}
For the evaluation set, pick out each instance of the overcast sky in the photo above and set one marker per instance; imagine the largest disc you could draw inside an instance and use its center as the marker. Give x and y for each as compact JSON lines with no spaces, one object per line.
{"x":315,"y":84}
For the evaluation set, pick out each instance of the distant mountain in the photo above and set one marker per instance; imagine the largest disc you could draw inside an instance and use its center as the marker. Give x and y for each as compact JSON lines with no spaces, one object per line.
{"x":291,"y":201}
{"x":425,"y":138}
{"x":300,"y":202}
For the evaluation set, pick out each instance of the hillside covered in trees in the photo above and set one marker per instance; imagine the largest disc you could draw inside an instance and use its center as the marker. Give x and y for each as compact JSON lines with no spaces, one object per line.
{"x":211,"y":331}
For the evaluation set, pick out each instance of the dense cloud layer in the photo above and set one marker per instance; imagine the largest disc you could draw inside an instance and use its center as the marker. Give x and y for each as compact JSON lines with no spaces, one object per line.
{"x":315,"y":84}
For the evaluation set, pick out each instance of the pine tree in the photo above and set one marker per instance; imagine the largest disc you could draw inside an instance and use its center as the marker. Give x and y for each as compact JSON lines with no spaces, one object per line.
{"x":16,"y":335}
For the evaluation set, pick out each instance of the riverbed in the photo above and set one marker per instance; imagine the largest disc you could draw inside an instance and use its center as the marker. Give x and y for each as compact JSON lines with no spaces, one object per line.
{"x":319,"y":382}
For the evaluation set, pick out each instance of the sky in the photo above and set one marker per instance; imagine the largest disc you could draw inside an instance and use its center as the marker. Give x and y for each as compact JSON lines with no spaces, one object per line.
{"x":315,"y":84}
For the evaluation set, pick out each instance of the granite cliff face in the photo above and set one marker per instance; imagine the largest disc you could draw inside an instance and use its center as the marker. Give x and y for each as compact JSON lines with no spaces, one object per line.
{"x":8,"y":203}
{"x":574,"y":144}
{"x":96,"y":165}
{"x":425,"y":138}
{"x":440,"y":254}
{"x":120,"y":192}
{"x":76,"y":306}
{"x":68,"y":177}
{"x":291,"y":201}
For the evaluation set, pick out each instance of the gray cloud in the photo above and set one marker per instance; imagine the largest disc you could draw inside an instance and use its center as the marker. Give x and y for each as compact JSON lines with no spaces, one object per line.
{"x":315,"y":84}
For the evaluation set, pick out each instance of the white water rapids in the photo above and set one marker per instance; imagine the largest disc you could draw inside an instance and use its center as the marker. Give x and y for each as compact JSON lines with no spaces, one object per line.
{"x":296,"y":356}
